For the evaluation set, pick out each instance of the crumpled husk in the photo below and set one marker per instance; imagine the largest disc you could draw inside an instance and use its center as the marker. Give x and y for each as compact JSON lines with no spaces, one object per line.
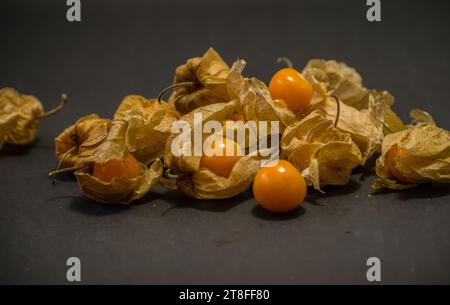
{"x":364,"y":128}
{"x":378,"y":104}
{"x":119,"y":190}
{"x":428,"y":159}
{"x":329,"y":77}
{"x":78,"y":142}
{"x":201,"y":183}
{"x":322,"y":153}
{"x":209,"y":74}
{"x":19,"y":117}
{"x":256,"y":101}
{"x":149,"y":125}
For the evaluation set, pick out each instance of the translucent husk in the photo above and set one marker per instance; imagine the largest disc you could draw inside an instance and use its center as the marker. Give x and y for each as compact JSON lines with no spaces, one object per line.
{"x":19,"y":117}
{"x":323,"y":153}
{"x":329,"y":77}
{"x":428,"y":158}
{"x":78,"y":142}
{"x":254,"y":96}
{"x":149,"y":125}
{"x":199,"y":182}
{"x":365,"y":130}
{"x":119,"y":190}
{"x":207,"y":75}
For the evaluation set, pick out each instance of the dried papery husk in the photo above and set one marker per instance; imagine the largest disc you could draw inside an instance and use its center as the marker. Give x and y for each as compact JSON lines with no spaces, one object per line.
{"x":204,"y":184}
{"x":256,"y":102}
{"x":378,"y":104}
{"x":329,"y":77}
{"x":199,"y":182}
{"x":19,"y":117}
{"x":114,"y":146}
{"x":78,"y":142}
{"x":208,"y":76}
{"x":119,"y":190}
{"x":149,"y":125}
{"x":427,"y":160}
{"x":214,"y":112}
{"x":324,"y":154}
{"x":363,"y":126}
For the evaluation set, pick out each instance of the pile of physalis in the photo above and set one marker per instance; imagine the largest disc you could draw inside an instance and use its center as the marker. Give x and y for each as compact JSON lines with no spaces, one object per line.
{"x":328,"y":124}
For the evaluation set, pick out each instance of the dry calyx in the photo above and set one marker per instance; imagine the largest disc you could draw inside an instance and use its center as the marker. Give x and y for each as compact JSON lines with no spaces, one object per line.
{"x":134,"y":138}
{"x":418,"y":154}
{"x":203,"y":178}
{"x":20,"y":115}
{"x":323,"y":153}
{"x":200,"y":81}
{"x":254,"y":96}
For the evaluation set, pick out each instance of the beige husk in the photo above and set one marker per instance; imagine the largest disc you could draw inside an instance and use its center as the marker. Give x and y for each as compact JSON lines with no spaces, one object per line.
{"x":199,"y":182}
{"x":119,"y":190}
{"x":329,"y":77}
{"x":208,"y":74}
{"x":78,"y":142}
{"x":254,"y":96}
{"x":149,"y":125}
{"x":428,"y":158}
{"x":323,"y":153}
{"x":19,"y":117}
{"x":365,"y":130}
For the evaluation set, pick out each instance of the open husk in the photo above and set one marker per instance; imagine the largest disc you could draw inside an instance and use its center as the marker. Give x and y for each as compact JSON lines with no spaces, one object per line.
{"x":78,"y":142}
{"x":256,"y":101}
{"x":364,"y":128}
{"x":329,"y":77}
{"x":19,"y":117}
{"x":428,"y":158}
{"x":321,"y":152}
{"x":119,"y":190}
{"x":208,"y":76}
{"x":149,"y":125}
{"x":199,"y":182}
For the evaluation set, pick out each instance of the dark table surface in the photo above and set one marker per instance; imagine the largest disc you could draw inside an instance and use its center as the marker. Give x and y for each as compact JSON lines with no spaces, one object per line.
{"x":125,"y":47}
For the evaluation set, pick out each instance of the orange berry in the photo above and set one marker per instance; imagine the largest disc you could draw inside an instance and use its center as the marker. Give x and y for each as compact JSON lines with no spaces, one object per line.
{"x":280,"y":188}
{"x":128,"y":168}
{"x":221,"y":165}
{"x":289,"y":85}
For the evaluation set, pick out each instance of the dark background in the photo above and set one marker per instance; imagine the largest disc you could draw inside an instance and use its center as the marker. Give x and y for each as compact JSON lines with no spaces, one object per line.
{"x":125,"y":47}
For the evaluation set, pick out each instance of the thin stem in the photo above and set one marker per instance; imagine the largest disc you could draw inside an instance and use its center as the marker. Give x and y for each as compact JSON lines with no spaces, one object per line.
{"x":56,"y":109}
{"x":338,"y":111}
{"x":64,"y":170}
{"x":62,"y":160}
{"x":169,"y":174}
{"x":174,"y":86}
{"x":285,"y":60}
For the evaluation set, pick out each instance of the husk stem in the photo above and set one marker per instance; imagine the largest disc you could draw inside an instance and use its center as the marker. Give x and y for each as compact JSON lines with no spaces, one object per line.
{"x":172,"y":87}
{"x":51,"y":112}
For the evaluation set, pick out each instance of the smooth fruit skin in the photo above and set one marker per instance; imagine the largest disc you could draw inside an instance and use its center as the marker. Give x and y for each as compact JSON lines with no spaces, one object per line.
{"x":237,"y":117}
{"x":128,"y":168}
{"x":289,"y":85}
{"x":279,"y":189}
{"x":394,"y":153}
{"x":221,"y":165}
